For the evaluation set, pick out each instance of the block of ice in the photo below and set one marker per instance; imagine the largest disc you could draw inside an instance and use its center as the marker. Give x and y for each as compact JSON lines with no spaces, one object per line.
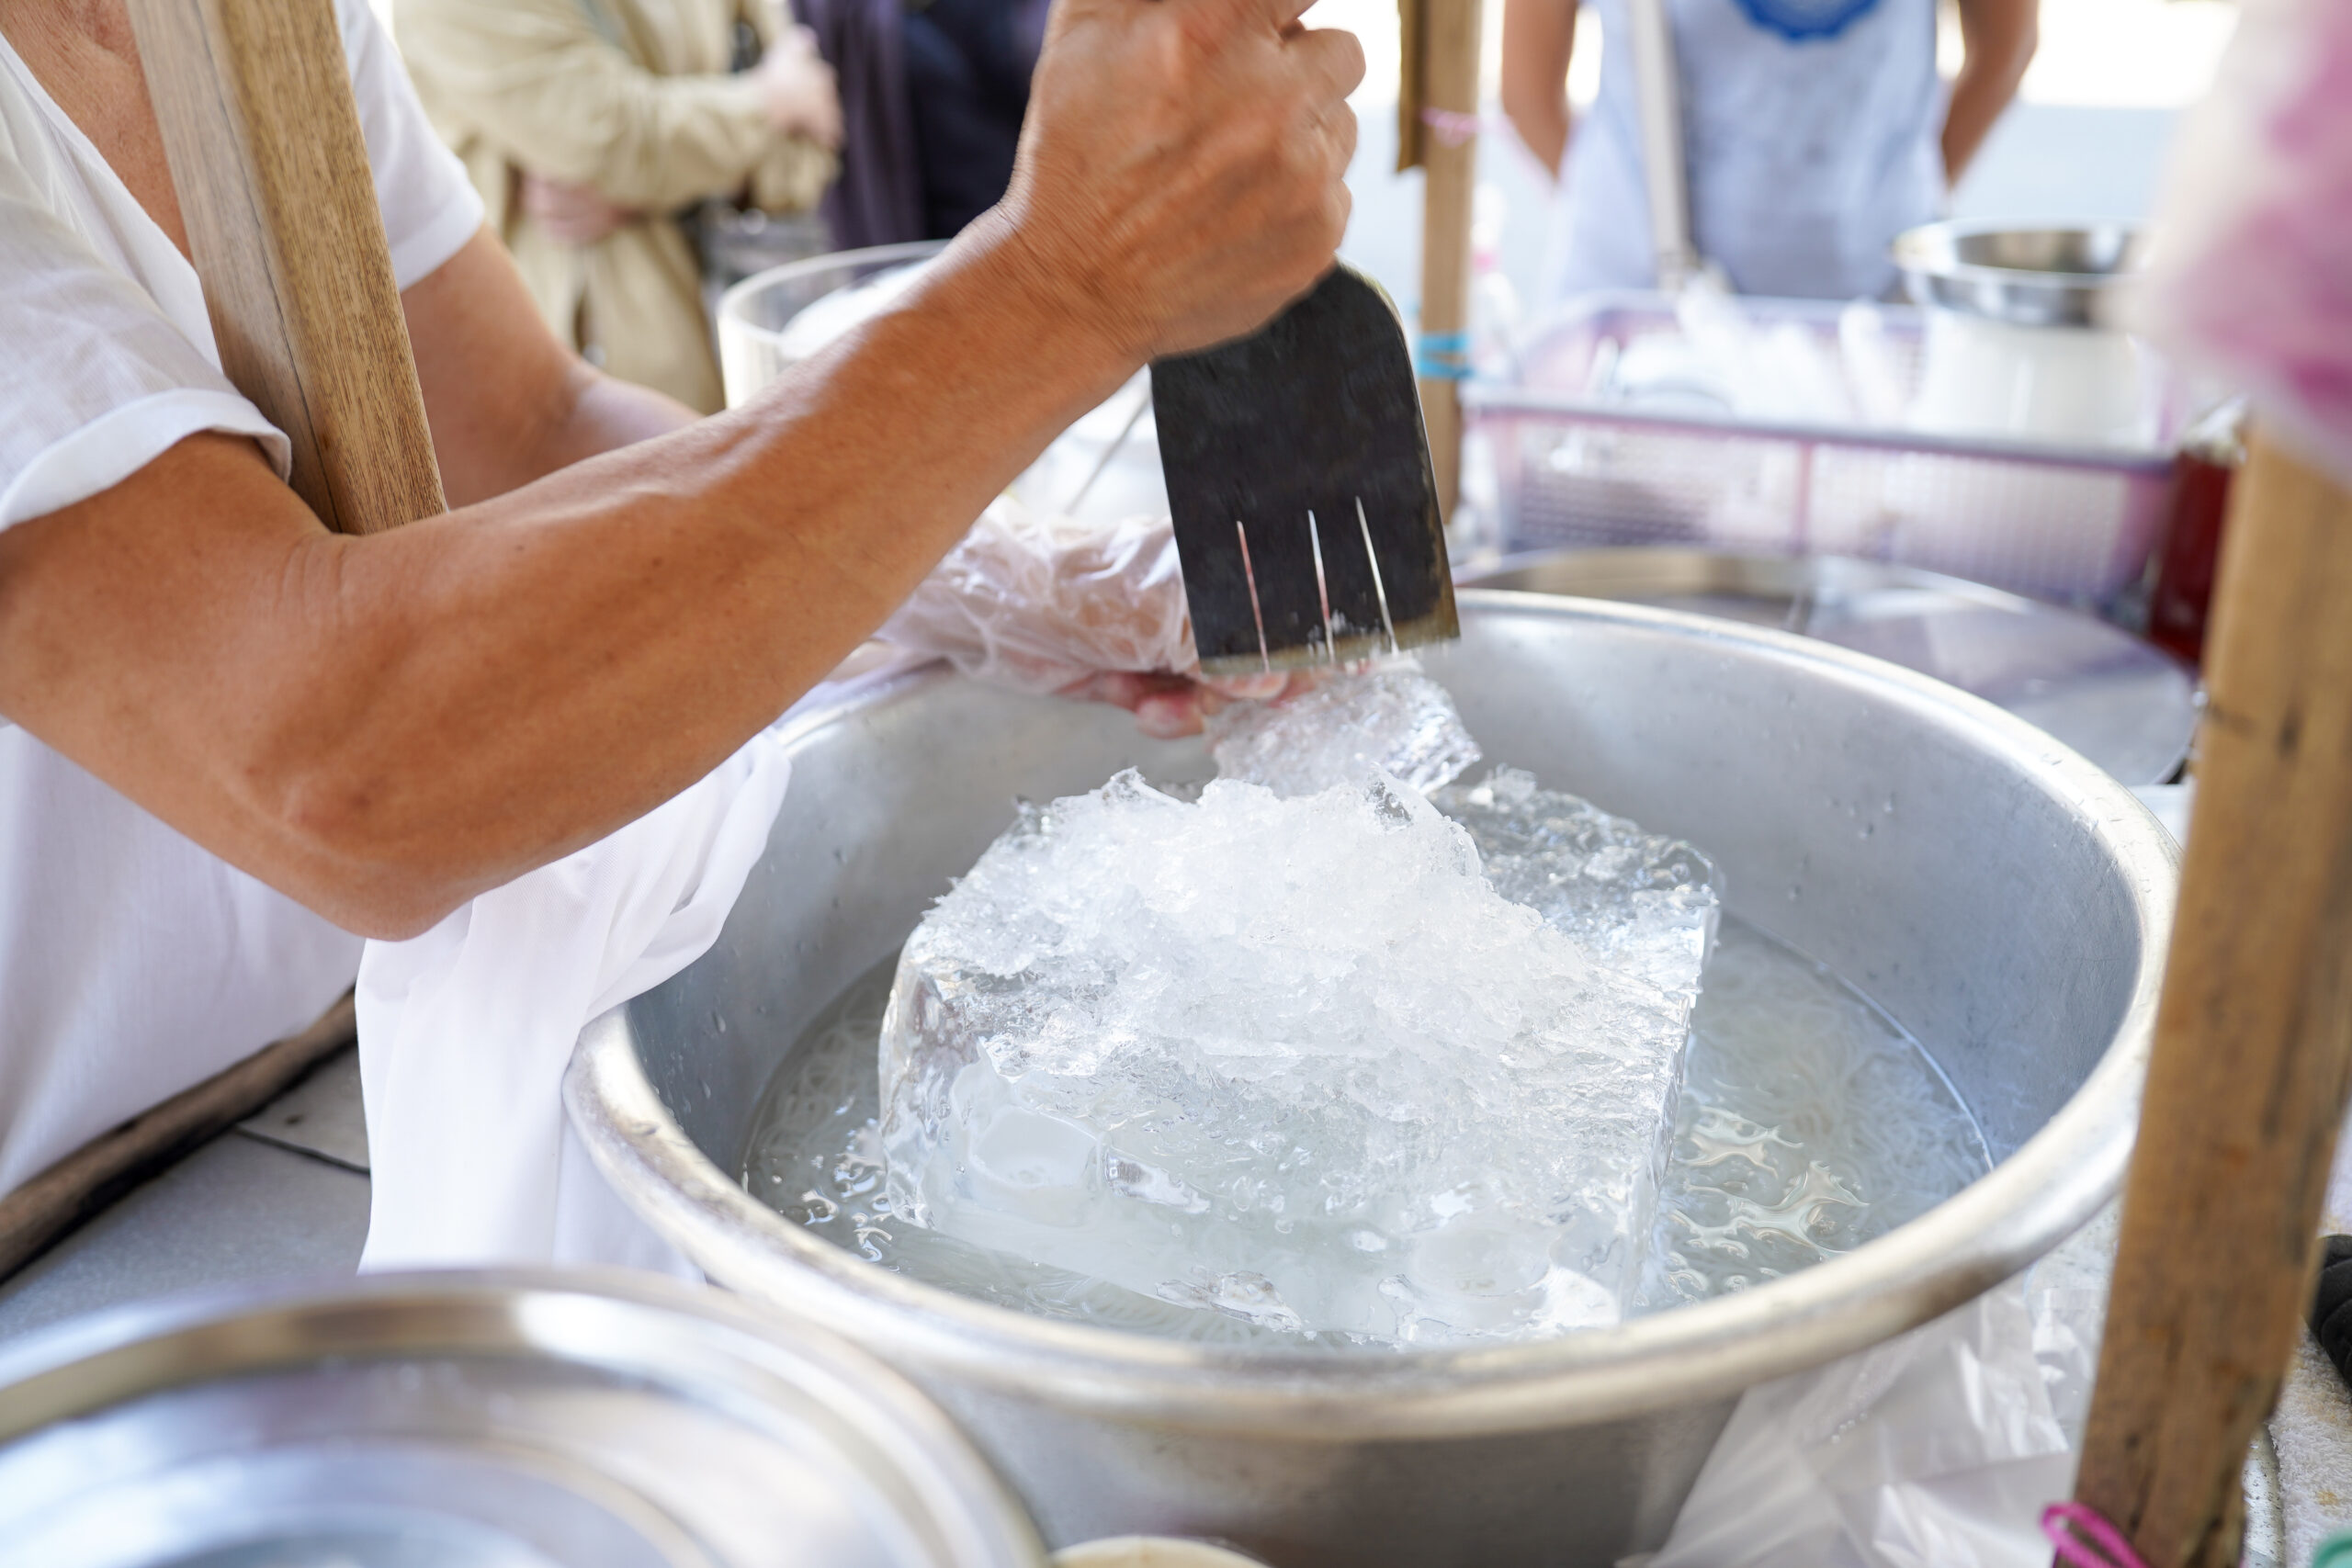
{"x":1636,"y":901}
{"x":1389,"y":718}
{"x":1293,"y":1059}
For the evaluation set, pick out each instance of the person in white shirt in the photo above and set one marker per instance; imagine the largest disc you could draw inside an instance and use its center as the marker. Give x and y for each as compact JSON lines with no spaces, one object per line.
{"x":230,"y":738}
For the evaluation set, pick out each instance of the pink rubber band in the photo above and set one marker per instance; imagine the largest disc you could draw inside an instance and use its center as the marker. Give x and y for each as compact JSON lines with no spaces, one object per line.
{"x":1452,"y":127}
{"x":2067,"y":1523}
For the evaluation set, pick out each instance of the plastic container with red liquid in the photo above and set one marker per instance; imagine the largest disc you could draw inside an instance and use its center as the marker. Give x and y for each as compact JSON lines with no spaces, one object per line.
{"x":2210,"y":453}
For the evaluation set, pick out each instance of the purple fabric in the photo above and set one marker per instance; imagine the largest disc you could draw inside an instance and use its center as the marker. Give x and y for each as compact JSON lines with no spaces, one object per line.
{"x":877,"y":200}
{"x":968,"y":64}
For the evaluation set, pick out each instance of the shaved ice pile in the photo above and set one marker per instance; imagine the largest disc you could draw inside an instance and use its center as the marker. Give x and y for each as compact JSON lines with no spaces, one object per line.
{"x":1326,"y":1057}
{"x":1390,"y":719}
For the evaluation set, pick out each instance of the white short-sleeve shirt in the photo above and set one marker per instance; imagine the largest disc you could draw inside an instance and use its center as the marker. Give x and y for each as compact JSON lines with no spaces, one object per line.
{"x":133,"y":963}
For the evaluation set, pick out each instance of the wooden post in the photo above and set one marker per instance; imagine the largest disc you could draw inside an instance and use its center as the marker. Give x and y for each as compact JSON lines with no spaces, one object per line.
{"x":1443,"y":39}
{"x":263,"y":137}
{"x":2253,"y":1040}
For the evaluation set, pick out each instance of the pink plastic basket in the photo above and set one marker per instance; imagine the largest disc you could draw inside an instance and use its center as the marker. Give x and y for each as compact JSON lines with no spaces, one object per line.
{"x":2068,"y":523}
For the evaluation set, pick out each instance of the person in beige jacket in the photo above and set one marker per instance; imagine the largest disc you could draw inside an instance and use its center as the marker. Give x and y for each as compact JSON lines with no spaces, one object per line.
{"x":591,"y":127}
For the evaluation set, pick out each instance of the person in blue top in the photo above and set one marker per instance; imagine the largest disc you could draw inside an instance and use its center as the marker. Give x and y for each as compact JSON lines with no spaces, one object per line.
{"x":1815,"y":131}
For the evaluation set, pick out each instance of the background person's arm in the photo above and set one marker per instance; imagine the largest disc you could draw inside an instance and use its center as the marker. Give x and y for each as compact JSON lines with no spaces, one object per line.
{"x":507,"y":402}
{"x":382,"y":726}
{"x":1997,"y":41}
{"x":1539,"y":39}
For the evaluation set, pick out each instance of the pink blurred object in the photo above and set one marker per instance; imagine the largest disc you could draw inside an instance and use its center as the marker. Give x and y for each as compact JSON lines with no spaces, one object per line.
{"x":2083,"y":1539}
{"x":2251,"y":276}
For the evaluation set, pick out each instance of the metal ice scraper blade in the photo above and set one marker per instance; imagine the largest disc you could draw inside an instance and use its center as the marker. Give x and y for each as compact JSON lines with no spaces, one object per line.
{"x":1298,"y":475}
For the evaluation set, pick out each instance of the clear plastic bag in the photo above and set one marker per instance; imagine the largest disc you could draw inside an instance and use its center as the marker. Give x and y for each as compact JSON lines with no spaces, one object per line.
{"x":1939,"y":1447}
{"x":1042,"y":603}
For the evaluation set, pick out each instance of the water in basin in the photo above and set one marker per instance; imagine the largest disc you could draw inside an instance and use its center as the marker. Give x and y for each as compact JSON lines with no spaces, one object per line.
{"x":1808,"y":1121}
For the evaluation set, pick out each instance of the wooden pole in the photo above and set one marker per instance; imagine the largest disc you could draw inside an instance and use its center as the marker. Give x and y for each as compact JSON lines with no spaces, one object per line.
{"x":263,"y":137}
{"x":2253,"y":1040}
{"x":262,"y":133}
{"x":1448,"y":57}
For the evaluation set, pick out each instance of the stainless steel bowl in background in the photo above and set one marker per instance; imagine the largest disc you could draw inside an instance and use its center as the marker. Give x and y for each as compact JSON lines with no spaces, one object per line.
{"x":2001,"y":896}
{"x":2123,"y":704}
{"x":506,"y":1420}
{"x":2028,"y":276}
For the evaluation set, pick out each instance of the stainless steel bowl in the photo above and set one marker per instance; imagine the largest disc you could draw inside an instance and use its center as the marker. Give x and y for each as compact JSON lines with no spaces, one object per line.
{"x":2034,"y":278}
{"x":2002,"y":898}
{"x":513,"y":1421}
{"x":2122,"y":702}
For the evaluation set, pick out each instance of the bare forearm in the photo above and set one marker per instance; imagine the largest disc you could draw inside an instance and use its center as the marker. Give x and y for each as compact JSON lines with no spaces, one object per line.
{"x":608,"y":415}
{"x":509,"y":403}
{"x":1542,"y":125}
{"x":1539,"y":39}
{"x":1998,"y":38}
{"x":386,"y":725}
{"x":711,"y":575}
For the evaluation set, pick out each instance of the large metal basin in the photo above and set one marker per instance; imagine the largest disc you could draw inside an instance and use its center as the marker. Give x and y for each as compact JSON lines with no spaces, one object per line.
{"x":2001,"y":897}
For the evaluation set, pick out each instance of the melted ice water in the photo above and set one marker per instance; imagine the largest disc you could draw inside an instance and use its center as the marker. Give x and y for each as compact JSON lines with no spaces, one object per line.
{"x":1808,"y":1123}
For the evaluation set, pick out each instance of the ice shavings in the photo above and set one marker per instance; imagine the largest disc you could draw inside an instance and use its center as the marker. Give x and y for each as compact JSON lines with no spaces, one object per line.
{"x":1634,"y":900}
{"x":1388,"y":718}
{"x":1296,"y":1059}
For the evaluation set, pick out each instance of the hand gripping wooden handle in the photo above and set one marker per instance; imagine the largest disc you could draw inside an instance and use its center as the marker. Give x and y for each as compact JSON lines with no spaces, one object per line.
{"x":263,"y":137}
{"x":2253,"y":1040}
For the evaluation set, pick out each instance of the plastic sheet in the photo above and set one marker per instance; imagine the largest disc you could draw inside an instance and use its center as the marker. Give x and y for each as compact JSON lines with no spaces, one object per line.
{"x":1939,"y":1447}
{"x":2252,"y":281}
{"x":1042,"y":604}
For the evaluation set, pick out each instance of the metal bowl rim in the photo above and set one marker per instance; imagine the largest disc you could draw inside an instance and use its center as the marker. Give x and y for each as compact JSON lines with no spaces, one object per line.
{"x":1731,"y":573}
{"x":1905,"y":250}
{"x":1873,"y":576}
{"x":103,"y":1360}
{"x":2047,"y":1188}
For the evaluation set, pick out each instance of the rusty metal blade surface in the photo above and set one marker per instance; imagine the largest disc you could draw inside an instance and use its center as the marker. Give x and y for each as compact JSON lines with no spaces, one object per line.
{"x":1299,"y":477}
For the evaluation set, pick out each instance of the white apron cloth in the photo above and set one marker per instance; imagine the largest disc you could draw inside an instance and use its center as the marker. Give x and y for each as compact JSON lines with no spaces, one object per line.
{"x":133,"y":963}
{"x":464,"y":1033}
{"x":1810,"y":135}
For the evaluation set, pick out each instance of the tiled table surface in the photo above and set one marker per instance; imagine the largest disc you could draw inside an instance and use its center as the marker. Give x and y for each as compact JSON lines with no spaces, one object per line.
{"x":285,"y":1195}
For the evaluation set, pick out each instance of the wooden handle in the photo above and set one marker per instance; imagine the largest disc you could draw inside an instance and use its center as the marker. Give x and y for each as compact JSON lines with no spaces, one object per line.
{"x":1449,"y":81}
{"x":2253,"y":1040}
{"x":263,"y":136}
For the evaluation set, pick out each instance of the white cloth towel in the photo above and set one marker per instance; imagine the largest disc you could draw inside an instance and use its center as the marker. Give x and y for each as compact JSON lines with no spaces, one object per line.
{"x":464,"y":1032}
